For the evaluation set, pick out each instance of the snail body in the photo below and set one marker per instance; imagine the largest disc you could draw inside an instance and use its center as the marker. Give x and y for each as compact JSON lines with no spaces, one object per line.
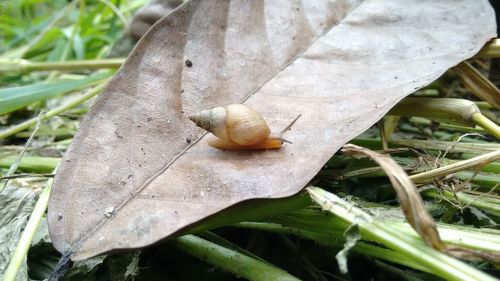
{"x":238,"y":127}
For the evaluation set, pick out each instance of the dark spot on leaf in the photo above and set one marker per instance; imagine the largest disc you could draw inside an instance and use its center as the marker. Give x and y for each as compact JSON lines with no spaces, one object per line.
{"x":188,"y":140}
{"x":118,"y":135}
{"x":189,"y":63}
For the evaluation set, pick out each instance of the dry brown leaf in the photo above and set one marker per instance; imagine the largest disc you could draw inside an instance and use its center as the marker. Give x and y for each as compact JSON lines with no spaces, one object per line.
{"x":131,"y":178}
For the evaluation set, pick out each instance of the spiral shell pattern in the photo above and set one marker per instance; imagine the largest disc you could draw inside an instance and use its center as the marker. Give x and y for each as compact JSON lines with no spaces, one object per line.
{"x":237,"y":123}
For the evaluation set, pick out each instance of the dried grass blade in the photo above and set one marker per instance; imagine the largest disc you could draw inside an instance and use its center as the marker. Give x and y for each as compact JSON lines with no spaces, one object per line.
{"x":480,"y":86}
{"x":409,"y":197}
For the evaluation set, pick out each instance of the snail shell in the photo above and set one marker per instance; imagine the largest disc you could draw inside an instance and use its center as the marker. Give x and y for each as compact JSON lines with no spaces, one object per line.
{"x":236,"y":123}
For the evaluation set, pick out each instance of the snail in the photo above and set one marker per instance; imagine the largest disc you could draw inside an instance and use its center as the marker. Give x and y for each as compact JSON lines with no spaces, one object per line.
{"x":239,"y":127}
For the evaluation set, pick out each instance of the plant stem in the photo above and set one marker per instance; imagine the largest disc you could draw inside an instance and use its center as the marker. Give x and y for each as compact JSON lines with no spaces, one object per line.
{"x":491,"y":49}
{"x":488,"y":125}
{"x":314,"y":221}
{"x":479,"y":85}
{"x":231,"y":261}
{"x":214,"y":238}
{"x":459,"y":111}
{"x":383,"y":136}
{"x":28,"y":233}
{"x":455,"y":167}
{"x":489,"y":205}
{"x":456,"y":110}
{"x":27,"y":124}
{"x":427,"y":122}
{"x":483,"y":105}
{"x":484,"y":180}
{"x":476,"y":148}
{"x":459,"y":235}
{"x":36,"y":164}
{"x":335,"y":240}
{"x":438,"y":263}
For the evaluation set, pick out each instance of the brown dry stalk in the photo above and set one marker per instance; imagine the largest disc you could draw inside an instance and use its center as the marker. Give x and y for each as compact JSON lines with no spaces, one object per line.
{"x":471,"y":254}
{"x":479,"y":85}
{"x":409,"y":197}
{"x":413,"y":206}
{"x":490,"y":49}
{"x":474,"y":162}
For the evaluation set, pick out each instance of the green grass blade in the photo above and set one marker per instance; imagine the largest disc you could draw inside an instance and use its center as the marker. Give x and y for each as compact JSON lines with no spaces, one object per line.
{"x":377,"y":230}
{"x":15,"y":98}
{"x":28,"y":233}
{"x":28,"y":123}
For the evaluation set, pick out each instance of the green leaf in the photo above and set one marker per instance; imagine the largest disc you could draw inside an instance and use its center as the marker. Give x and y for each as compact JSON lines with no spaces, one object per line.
{"x":15,"y":98}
